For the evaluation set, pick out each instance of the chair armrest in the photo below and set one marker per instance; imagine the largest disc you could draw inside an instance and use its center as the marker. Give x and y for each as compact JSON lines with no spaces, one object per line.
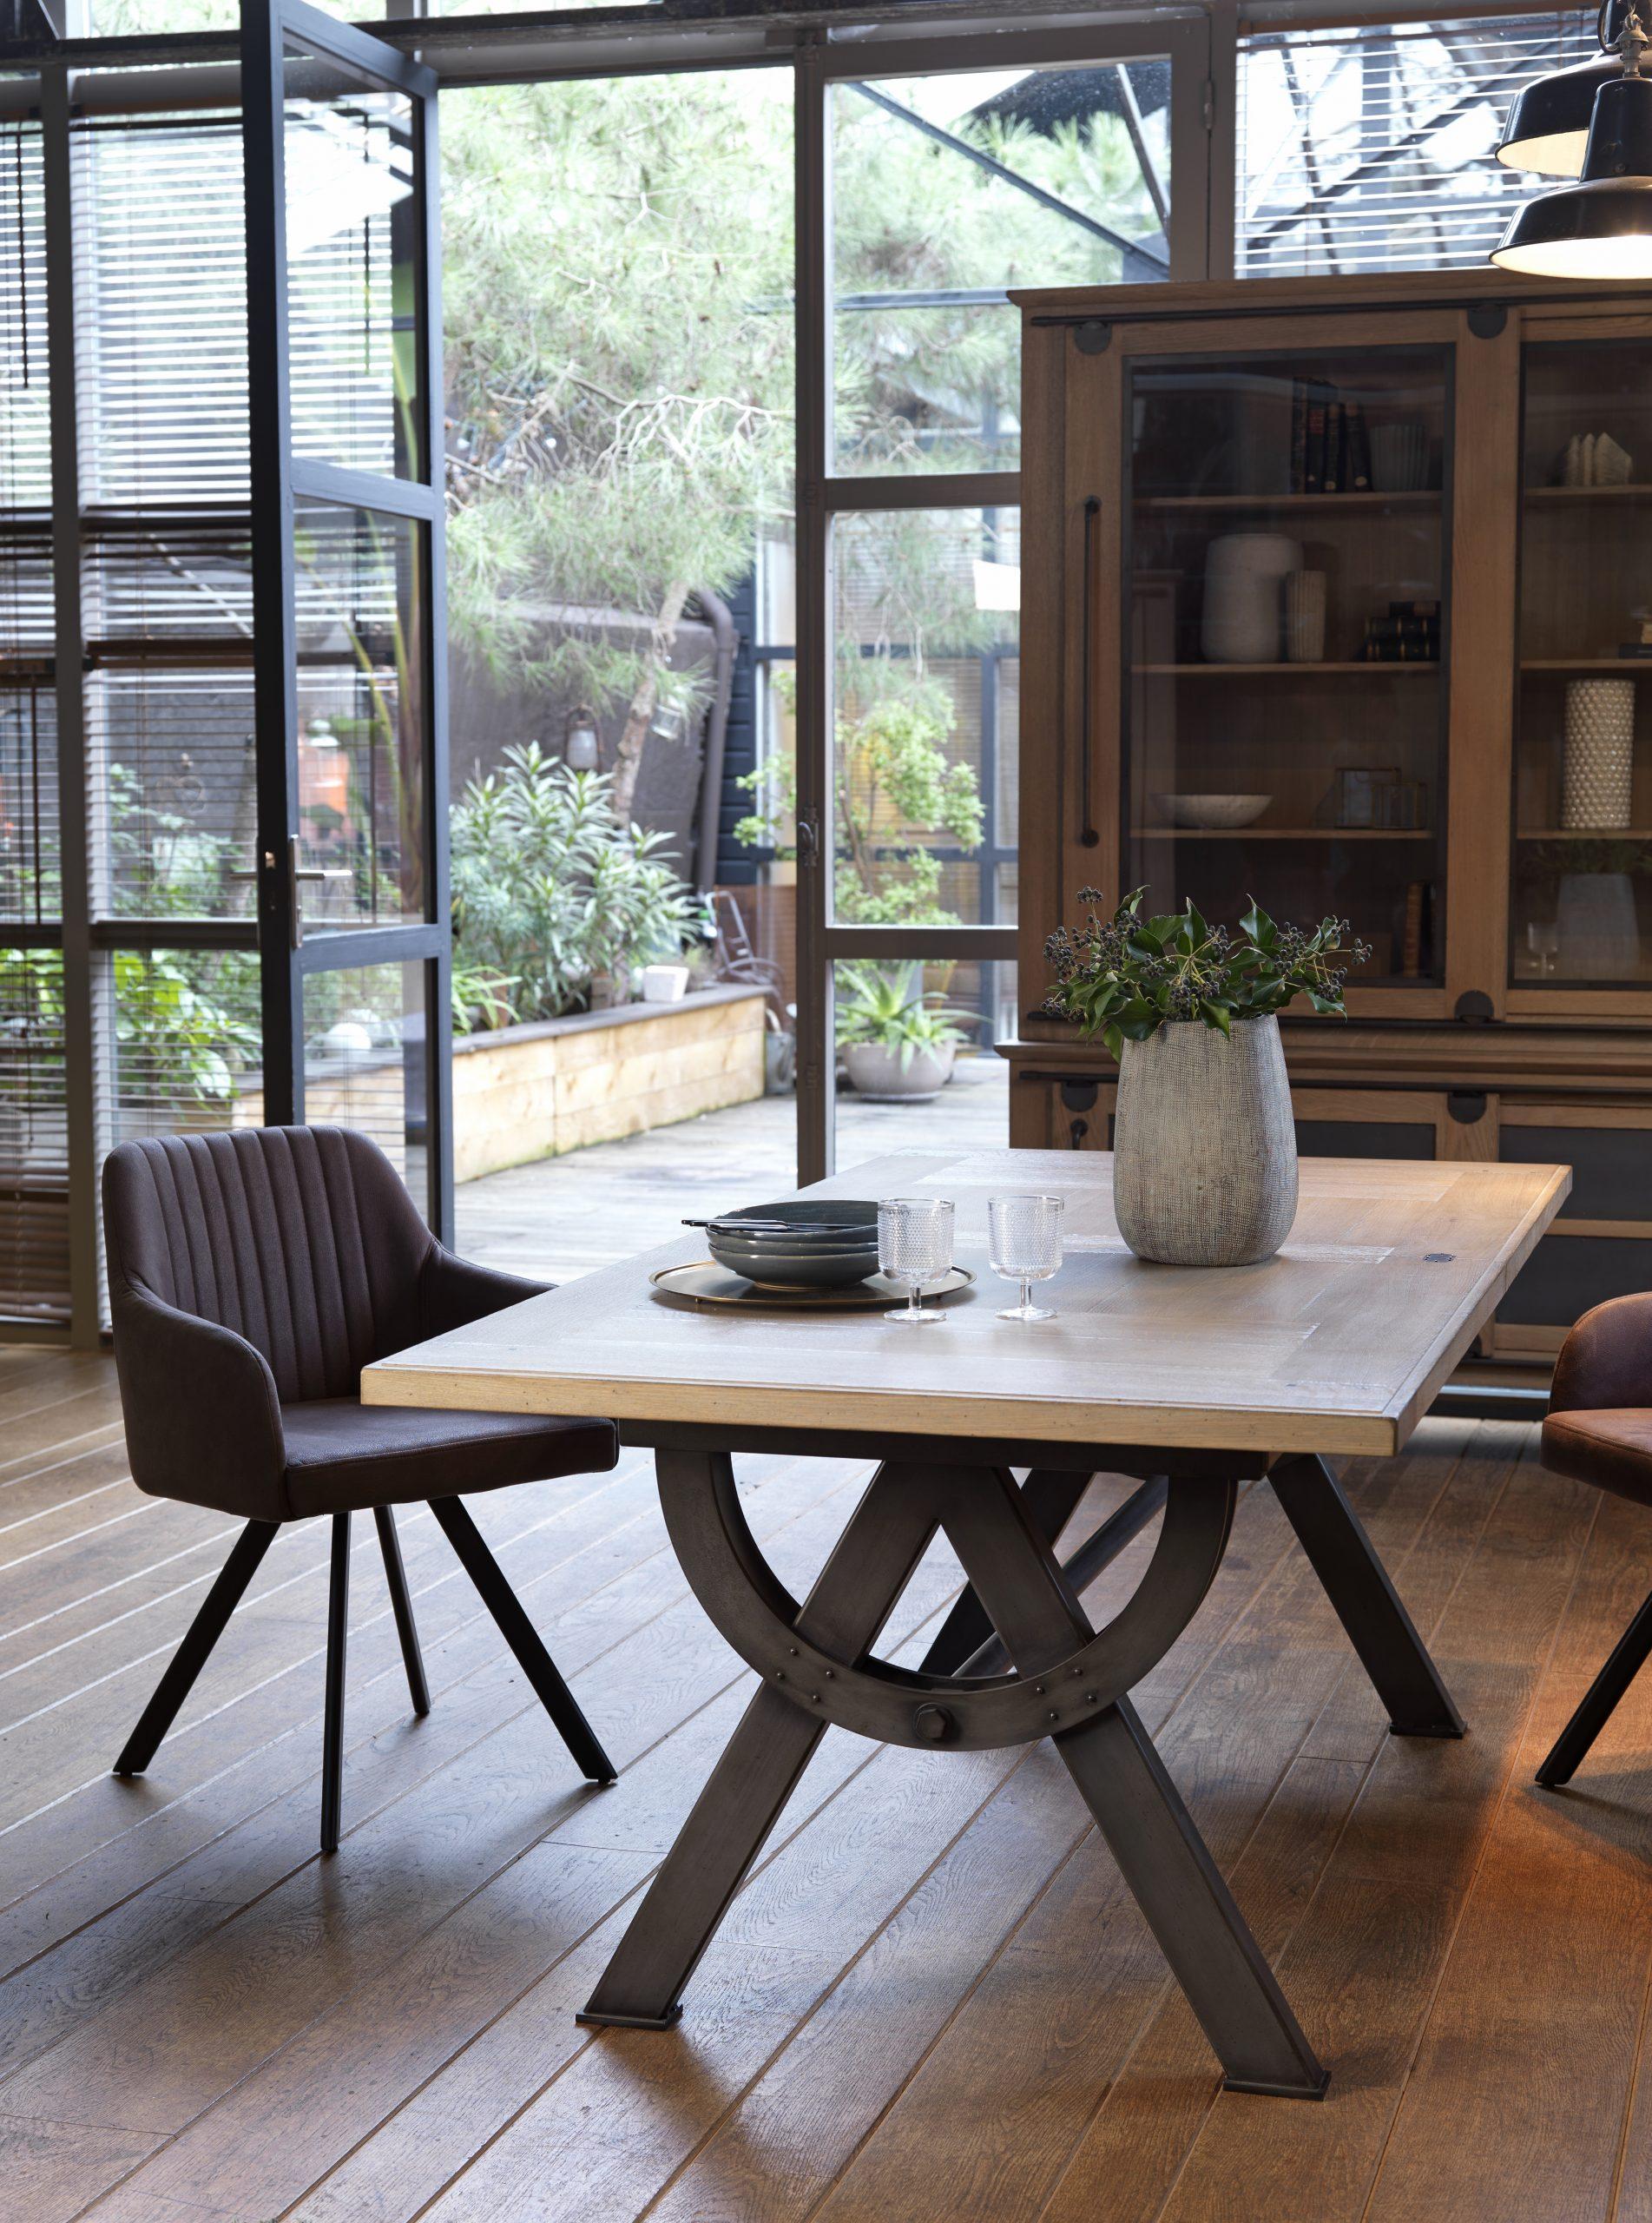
{"x":1606,"y":1360}
{"x":203,"y":1422}
{"x":452,"y":1291}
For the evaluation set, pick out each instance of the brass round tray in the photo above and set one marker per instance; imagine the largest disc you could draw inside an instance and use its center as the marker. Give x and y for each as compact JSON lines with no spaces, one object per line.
{"x":704,"y":1283}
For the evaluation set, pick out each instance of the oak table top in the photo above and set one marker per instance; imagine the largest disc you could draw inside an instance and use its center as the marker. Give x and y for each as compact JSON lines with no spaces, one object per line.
{"x":1338,"y":1344}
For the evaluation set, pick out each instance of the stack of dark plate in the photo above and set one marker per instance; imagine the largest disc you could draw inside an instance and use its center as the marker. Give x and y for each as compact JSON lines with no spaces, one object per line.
{"x":807,"y":1242}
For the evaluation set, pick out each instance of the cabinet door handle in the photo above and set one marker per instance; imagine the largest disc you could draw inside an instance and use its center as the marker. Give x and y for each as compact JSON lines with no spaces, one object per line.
{"x":1087,"y":833}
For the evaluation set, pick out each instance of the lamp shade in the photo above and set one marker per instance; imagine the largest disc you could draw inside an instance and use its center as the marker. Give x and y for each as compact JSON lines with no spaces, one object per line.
{"x":1601,"y":228}
{"x":1548,"y":126}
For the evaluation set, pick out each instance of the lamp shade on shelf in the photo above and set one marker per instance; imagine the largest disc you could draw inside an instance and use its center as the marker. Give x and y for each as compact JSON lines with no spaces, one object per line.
{"x":1601,"y":228}
{"x":1548,"y":126}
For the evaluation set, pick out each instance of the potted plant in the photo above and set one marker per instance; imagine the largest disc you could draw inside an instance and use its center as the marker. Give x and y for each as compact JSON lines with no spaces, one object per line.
{"x":1204,"y":1171}
{"x":897,"y":1043}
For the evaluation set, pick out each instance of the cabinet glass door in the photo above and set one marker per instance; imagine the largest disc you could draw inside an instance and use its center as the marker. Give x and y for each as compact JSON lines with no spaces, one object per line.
{"x":1580,"y":903}
{"x":1286,"y":637}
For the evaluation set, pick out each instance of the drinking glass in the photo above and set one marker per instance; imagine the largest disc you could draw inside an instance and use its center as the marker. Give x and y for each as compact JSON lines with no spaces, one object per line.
{"x":914,"y":1248}
{"x":1024,"y":1241}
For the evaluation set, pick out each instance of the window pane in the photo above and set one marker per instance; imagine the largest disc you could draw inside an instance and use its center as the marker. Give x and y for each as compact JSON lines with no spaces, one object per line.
{"x":354,"y":217}
{"x":34,"y":1138}
{"x":927,"y":628}
{"x":917,"y":1069}
{"x":1371,"y":148}
{"x":360,"y":602}
{"x":179,"y":1033}
{"x":364,"y":1060}
{"x":1581,"y":907}
{"x":1280,"y":619}
{"x":947,"y":191}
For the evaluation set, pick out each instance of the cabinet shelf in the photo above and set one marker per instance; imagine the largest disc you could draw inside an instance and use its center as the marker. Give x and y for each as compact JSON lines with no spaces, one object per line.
{"x":1619,"y":666}
{"x":1550,"y":495}
{"x":1328,"y":504}
{"x":1286,"y":834}
{"x":1412,"y":664}
{"x":1583,"y":834}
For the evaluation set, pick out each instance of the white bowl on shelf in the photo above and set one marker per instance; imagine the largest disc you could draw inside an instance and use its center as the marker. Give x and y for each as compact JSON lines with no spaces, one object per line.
{"x":1211,"y":813}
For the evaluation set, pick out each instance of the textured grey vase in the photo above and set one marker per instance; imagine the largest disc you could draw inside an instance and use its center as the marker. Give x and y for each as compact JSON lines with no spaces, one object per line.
{"x":1204,"y":1152}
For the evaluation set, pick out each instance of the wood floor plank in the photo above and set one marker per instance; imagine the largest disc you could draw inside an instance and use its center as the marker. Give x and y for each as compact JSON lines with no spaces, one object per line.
{"x":932,"y":2000}
{"x":817,"y":2101}
{"x":242,"y":1991}
{"x":98,"y":1963}
{"x":1233,"y":1730}
{"x":1134,"y":2145}
{"x":1367,"y":1958}
{"x":1521,"y":2085}
{"x":51,"y":2170}
{"x":212,"y":1740}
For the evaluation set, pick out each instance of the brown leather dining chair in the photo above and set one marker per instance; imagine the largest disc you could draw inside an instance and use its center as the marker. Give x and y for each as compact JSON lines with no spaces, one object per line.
{"x":1599,"y":1430}
{"x":253,"y":1275}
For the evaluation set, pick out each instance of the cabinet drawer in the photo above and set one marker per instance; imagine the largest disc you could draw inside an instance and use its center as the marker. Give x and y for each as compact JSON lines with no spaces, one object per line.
{"x":1567,"y":1274}
{"x":1365,"y":1139}
{"x":1611,"y":1166}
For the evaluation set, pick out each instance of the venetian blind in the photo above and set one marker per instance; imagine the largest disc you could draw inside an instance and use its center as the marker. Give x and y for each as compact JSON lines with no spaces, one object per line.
{"x":1373,"y":149}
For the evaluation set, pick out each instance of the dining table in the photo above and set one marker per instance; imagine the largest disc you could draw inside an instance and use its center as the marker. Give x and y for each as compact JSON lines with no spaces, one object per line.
{"x":1189,"y":1381}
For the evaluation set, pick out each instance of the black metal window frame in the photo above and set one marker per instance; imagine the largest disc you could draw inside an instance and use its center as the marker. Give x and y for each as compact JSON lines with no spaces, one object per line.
{"x":281,"y":480}
{"x":75,"y":77}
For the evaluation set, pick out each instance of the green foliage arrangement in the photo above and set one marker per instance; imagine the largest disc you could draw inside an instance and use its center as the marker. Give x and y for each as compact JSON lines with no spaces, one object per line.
{"x":1125,"y":976}
{"x":895,"y":785}
{"x":187,"y":1047}
{"x":551,"y":889}
{"x":892,"y":1009}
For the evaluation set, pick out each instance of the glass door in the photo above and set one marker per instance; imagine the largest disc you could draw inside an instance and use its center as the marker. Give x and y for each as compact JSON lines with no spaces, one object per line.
{"x":1285,"y":635}
{"x":343,"y":270}
{"x":1581,"y":909}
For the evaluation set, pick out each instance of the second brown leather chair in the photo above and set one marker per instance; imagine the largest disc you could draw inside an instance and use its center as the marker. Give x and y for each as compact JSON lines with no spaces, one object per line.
{"x":1599,"y":1430}
{"x":252,"y":1276}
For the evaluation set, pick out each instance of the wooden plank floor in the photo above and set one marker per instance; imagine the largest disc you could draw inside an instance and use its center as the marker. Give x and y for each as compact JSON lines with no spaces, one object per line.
{"x":934,"y":2001}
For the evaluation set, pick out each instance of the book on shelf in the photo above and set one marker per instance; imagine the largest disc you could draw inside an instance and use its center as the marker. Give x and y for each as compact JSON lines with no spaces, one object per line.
{"x":1330,"y":440}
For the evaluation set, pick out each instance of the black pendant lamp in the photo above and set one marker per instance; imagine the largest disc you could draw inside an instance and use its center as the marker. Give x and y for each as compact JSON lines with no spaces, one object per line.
{"x":1601,"y":228}
{"x":1548,"y":125}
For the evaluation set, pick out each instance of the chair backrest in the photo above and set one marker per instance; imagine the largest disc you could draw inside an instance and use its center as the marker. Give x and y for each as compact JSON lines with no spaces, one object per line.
{"x":301,"y":1239}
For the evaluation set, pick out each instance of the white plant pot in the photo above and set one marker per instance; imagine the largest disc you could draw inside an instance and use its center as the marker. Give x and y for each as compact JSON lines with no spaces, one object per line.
{"x":1204,"y":1149}
{"x":664,"y":984}
{"x":878,"y":1073}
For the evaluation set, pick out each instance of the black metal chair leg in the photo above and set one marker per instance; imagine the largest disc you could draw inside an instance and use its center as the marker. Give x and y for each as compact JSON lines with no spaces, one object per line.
{"x":191,"y":1655}
{"x":332,"y":1723}
{"x":523,"y":1638}
{"x":402,"y":1607}
{"x":1366,"y":1603}
{"x":1600,"y":1702}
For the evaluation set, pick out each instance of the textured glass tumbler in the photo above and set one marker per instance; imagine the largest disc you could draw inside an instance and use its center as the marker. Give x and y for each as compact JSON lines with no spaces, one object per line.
{"x":1024,"y":1241}
{"x":914,"y":1248}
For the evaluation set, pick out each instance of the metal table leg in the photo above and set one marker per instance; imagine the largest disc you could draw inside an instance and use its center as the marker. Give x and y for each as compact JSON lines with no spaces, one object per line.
{"x":1367,"y":1604}
{"x":1070,"y":1685}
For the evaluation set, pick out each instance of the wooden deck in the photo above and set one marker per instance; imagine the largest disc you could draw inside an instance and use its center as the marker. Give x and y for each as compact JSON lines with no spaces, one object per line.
{"x":933,"y":2002}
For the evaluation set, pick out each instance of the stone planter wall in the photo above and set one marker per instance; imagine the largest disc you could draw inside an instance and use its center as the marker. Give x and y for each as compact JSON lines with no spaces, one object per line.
{"x":524,"y":1092}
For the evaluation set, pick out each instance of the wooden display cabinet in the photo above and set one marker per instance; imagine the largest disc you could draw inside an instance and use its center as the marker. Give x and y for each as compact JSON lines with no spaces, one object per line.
{"x":1457,"y":758}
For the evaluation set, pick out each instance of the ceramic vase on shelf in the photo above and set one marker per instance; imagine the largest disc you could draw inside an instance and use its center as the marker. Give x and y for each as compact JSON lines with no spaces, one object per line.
{"x":1598,"y":766}
{"x":1204,"y":1147}
{"x":1304,"y":618}
{"x":1242,"y":615}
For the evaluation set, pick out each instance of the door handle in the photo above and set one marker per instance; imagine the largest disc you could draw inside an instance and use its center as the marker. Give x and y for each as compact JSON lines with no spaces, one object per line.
{"x":295,"y":873}
{"x":1087,"y":833}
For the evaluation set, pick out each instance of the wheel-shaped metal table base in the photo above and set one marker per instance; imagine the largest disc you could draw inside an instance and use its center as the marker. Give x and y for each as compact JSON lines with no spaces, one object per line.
{"x":1069,"y":1683}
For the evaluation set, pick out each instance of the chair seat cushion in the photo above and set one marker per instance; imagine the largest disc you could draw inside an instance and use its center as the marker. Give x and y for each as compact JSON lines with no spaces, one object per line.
{"x":343,"y":1456}
{"x":1611,"y":1447}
